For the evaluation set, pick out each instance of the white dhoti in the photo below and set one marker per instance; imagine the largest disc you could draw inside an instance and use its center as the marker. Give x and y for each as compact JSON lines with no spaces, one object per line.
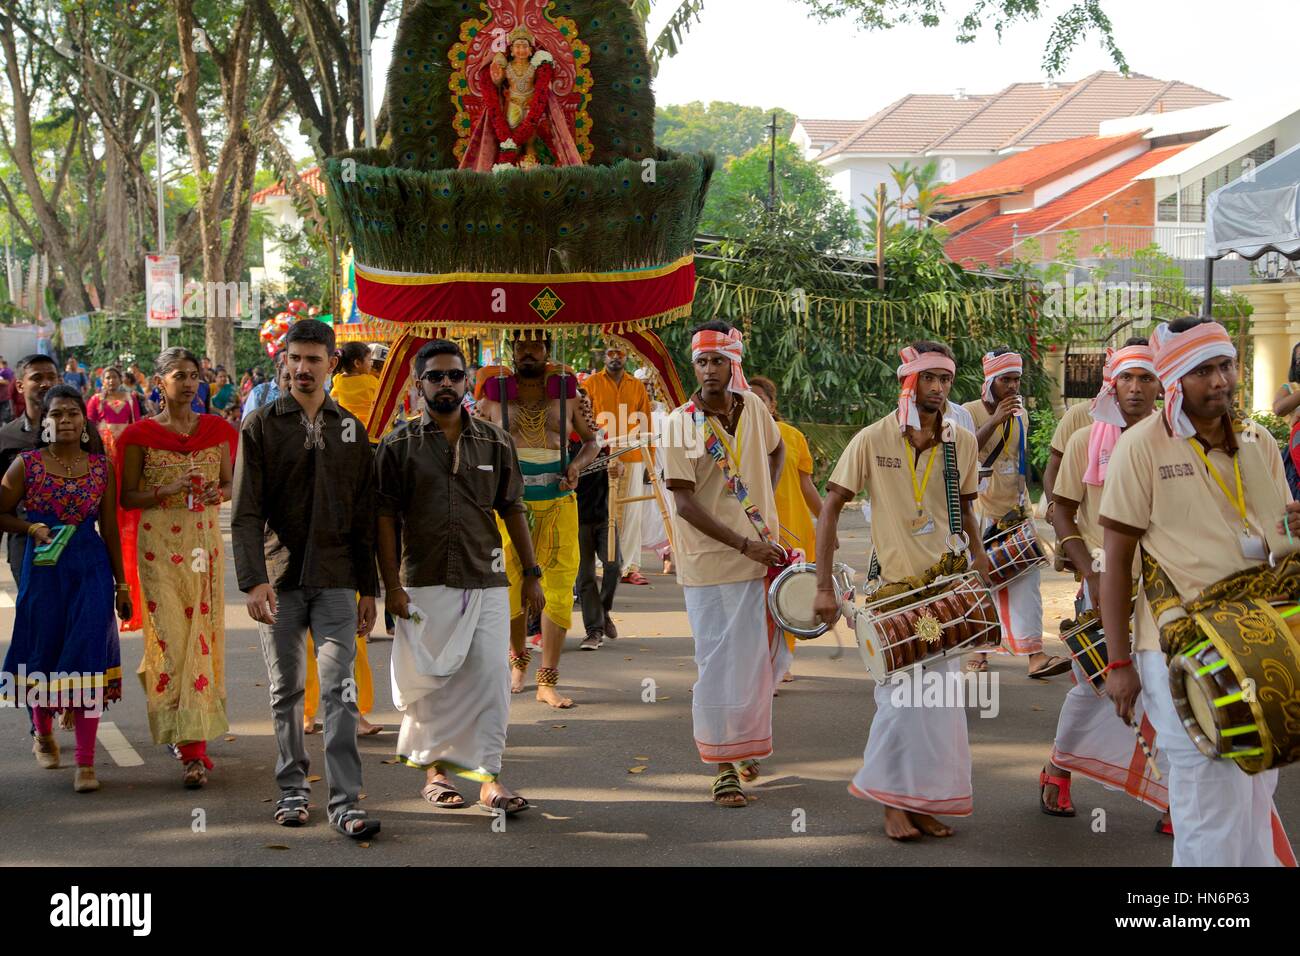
{"x":918,"y":758}
{"x":1221,"y":815}
{"x":629,"y":532}
{"x":1020,"y":611}
{"x":739,"y":663}
{"x":451,"y":680}
{"x":1093,"y":742}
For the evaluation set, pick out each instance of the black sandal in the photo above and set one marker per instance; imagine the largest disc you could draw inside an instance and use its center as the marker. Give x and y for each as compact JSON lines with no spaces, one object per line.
{"x":726,"y":784}
{"x":364,"y":828}
{"x":291,"y":810}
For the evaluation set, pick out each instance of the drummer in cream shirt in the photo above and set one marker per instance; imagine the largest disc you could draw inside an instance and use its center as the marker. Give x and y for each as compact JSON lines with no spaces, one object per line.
{"x":1000,"y":422}
{"x":917,"y":759}
{"x":1171,"y":488}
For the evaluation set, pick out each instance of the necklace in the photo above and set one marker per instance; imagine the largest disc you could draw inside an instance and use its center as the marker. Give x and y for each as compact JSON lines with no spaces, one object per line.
{"x":315,"y":430}
{"x":532,"y":424}
{"x":67,"y":469}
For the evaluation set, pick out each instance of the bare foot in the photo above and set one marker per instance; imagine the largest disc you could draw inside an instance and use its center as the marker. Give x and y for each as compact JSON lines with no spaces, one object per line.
{"x":789,"y":676}
{"x":517,"y":676}
{"x":929,"y":825}
{"x":309,"y":725}
{"x":549,"y":695}
{"x":365,"y":728}
{"x":898,"y":825}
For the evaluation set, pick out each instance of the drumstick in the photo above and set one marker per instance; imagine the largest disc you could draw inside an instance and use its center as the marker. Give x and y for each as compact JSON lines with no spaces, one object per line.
{"x":1142,"y":742}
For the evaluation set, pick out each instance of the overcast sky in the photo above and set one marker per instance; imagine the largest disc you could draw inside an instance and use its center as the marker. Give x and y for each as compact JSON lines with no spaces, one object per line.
{"x":772,"y":53}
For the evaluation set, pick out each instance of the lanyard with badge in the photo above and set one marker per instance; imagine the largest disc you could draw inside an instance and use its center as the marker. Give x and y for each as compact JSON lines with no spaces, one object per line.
{"x":922,"y":523}
{"x":1252,"y":545}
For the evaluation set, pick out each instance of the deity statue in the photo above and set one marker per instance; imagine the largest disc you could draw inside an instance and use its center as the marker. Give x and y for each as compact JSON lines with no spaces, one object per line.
{"x":520,"y":112}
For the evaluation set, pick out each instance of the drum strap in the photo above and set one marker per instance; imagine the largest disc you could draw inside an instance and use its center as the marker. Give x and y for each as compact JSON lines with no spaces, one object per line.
{"x":716,"y":448}
{"x":952,"y":492}
{"x":1281,"y":582}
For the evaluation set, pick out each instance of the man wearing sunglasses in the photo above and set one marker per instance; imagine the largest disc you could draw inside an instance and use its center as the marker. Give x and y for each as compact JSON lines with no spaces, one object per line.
{"x":444,"y":477}
{"x":531,"y":400}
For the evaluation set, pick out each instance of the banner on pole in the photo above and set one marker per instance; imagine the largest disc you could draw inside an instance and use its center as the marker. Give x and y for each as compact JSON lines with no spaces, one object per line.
{"x":162,"y":282}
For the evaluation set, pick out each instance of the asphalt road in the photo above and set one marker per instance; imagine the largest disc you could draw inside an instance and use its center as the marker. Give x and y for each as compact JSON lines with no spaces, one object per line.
{"x":589,"y":808}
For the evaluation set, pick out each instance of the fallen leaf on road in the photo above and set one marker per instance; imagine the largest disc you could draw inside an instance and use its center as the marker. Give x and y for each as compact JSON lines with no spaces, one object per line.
{"x":267,"y":800}
{"x":627,"y":658}
{"x":640,"y":758}
{"x":552,"y":816}
{"x":643,"y":649}
{"x":389,"y":760}
{"x":275,"y":846}
{"x":364,"y":846}
{"x":313,"y":778}
{"x":1035,"y":707}
{"x":361,"y":796}
{"x":641,"y":769}
{"x":230,"y":740}
{"x":257,"y":683}
{"x":663,"y":697}
{"x":558,"y":726}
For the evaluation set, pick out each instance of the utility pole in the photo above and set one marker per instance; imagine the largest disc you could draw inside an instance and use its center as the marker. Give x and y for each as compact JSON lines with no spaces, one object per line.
{"x":880,"y":236}
{"x":772,"y":127}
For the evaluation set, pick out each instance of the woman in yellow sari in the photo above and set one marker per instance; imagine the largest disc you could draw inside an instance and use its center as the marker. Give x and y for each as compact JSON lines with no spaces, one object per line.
{"x":798,"y":505}
{"x":175,"y":471}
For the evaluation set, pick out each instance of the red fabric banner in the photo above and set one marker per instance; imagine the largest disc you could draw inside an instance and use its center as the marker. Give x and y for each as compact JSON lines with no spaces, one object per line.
{"x":604,"y":299}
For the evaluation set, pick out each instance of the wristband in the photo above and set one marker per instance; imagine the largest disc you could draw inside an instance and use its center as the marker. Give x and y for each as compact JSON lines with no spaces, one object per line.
{"x":1118,"y":665}
{"x":1071,"y":537}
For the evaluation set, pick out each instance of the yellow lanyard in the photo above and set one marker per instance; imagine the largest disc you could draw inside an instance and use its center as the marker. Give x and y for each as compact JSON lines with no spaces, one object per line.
{"x":918,"y":490}
{"x":1239,"y":501}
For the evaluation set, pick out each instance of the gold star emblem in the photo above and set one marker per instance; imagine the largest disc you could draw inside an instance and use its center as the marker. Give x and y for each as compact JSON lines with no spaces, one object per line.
{"x":928,"y":628}
{"x":547,"y":304}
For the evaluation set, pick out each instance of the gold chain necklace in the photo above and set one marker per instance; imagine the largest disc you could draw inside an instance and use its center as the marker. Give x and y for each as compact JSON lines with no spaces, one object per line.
{"x":532,"y":424}
{"x":67,"y":469}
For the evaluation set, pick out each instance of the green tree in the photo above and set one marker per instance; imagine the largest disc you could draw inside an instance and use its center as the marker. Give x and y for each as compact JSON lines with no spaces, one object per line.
{"x":802,"y":186}
{"x":1079,"y":20}
{"x":725,"y":129}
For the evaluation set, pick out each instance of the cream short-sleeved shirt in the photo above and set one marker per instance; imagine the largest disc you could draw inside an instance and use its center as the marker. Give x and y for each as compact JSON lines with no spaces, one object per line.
{"x":1158,"y":485}
{"x":1076,"y":417}
{"x":1002,"y":492}
{"x":1071,"y":487}
{"x":876,"y":461}
{"x":701,"y":561}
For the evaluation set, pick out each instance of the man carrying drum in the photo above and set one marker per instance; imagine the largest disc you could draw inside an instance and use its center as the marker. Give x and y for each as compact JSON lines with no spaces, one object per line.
{"x":723,"y":458}
{"x":1089,"y":739}
{"x":1205,"y":497}
{"x":917,"y":759}
{"x":1000,"y":428}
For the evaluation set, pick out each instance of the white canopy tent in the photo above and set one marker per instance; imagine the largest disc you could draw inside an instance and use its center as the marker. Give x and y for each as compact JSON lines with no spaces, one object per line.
{"x":1254,"y":214}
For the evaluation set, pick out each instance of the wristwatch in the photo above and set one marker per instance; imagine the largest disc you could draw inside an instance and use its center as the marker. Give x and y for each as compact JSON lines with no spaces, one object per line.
{"x":534,"y":572}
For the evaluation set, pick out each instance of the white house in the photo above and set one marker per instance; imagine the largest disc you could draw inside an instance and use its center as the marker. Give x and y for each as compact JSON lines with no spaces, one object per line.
{"x":963,"y":133}
{"x":276,"y":204}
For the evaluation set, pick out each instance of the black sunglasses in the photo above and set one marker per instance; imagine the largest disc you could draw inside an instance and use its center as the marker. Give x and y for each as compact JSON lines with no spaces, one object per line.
{"x":435,"y":376}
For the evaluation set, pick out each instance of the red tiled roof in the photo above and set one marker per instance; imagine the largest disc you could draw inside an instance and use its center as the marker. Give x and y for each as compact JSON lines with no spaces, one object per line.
{"x":986,"y":241}
{"x":1020,"y":170}
{"x":310,"y":177}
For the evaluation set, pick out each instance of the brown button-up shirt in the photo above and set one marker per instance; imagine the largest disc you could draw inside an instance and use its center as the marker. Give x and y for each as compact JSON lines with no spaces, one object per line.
{"x":304,"y":517}
{"x":446,"y":498}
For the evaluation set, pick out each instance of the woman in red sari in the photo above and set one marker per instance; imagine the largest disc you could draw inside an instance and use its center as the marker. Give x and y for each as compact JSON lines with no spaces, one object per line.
{"x":111,"y":411}
{"x":176,"y":470}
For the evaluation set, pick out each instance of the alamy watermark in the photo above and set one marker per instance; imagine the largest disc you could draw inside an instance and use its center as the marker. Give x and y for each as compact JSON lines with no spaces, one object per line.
{"x":1098,"y":300}
{"x":55,"y":690}
{"x":919,"y":687}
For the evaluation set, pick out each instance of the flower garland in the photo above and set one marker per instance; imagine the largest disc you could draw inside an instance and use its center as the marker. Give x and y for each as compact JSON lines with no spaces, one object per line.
{"x":512,"y":141}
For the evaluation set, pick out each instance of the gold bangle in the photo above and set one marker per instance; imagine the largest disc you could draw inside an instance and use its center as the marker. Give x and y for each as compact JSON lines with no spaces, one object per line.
{"x":33,"y":527}
{"x":1071,"y":537}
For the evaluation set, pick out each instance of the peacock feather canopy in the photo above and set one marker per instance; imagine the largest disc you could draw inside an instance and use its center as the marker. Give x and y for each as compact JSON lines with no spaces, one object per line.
{"x":611,"y":201}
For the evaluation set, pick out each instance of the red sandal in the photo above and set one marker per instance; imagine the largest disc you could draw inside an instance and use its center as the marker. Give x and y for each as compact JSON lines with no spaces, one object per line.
{"x":1064,"y":808}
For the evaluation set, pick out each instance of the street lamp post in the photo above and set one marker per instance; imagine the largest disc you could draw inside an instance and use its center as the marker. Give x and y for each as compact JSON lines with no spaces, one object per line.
{"x":367,"y":101}
{"x":72,"y":54}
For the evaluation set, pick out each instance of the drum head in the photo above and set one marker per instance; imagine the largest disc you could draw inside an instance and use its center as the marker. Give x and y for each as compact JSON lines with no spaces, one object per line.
{"x":869,"y":643}
{"x":790,"y":599}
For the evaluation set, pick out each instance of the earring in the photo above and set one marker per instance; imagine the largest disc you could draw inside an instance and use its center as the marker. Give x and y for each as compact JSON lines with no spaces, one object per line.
{"x":85,"y":436}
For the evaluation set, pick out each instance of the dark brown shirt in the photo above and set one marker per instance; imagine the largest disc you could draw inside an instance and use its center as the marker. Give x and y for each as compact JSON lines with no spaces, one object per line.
{"x":304,"y":517}
{"x":446,"y":499}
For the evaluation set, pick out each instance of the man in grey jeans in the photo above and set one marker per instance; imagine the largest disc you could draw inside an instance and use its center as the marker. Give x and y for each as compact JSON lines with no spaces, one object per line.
{"x":303,"y":530}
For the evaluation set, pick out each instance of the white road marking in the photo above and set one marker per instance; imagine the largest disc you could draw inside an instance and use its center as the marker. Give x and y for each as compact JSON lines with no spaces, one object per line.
{"x":118,"y":747}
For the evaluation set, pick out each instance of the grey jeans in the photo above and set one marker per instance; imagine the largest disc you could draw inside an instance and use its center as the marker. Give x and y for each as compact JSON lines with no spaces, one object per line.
{"x":331,"y":616}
